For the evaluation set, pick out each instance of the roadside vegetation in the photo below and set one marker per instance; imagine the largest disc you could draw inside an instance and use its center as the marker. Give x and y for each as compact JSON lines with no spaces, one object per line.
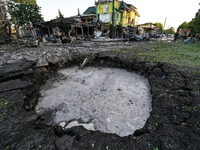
{"x":174,"y":53}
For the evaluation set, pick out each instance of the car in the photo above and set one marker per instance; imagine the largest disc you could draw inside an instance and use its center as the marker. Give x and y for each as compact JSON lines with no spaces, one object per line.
{"x":162,"y":35}
{"x":169,"y":35}
{"x":154,"y":35}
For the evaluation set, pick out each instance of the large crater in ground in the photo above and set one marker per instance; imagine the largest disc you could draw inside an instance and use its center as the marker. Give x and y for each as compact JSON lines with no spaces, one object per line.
{"x":105,"y":99}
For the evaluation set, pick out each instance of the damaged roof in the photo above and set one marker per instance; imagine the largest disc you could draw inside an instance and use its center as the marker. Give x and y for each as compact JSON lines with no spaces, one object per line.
{"x":64,"y":21}
{"x":123,"y":6}
{"x":58,"y":22}
{"x":90,"y":10}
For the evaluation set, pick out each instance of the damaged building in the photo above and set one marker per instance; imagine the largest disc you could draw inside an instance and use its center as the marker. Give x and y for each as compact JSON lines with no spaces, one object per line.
{"x":84,"y":26}
{"x":147,"y":28}
{"x":124,"y":15}
{"x":100,"y":17}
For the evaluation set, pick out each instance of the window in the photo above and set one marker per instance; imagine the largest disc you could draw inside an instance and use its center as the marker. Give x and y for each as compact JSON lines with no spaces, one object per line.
{"x":133,"y":21}
{"x":129,"y":20}
{"x":84,"y":20}
{"x":90,"y":19}
{"x":105,"y":9}
{"x":117,"y":17}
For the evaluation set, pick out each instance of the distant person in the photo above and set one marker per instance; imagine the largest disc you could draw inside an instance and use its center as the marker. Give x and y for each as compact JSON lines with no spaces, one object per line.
{"x":124,"y":33}
{"x":197,"y":36}
{"x":38,"y":33}
{"x":57,"y":32}
{"x":72,"y":35}
{"x":176,"y":36}
{"x":193,"y":35}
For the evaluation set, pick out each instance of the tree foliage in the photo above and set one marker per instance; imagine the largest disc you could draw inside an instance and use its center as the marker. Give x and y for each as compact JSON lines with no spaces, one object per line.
{"x":24,"y":11}
{"x":60,"y":15}
{"x":25,"y":1}
{"x":194,"y":24}
{"x":159,"y":25}
{"x":165,"y":32}
{"x":184,"y":25}
{"x":172,"y":30}
{"x":2,"y":10}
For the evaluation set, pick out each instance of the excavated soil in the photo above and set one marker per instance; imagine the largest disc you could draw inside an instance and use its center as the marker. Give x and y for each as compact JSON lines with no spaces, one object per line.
{"x":174,"y":121}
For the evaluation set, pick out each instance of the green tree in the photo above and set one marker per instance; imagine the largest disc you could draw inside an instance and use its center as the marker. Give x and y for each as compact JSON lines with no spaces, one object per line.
{"x":24,"y":11}
{"x":191,"y":26}
{"x":159,"y":25}
{"x":171,"y":30}
{"x":195,"y":23}
{"x":165,"y":32}
{"x":25,"y":1}
{"x":184,"y":25}
{"x":60,"y":15}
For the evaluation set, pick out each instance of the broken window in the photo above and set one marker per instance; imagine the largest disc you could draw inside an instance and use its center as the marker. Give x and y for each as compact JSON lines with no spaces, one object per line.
{"x":84,"y":20}
{"x":79,"y":31}
{"x":105,"y":18}
{"x":105,"y":9}
{"x":90,"y":19}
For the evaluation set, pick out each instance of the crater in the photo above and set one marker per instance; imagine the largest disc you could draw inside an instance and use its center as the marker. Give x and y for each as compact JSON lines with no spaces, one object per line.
{"x":111,"y":100}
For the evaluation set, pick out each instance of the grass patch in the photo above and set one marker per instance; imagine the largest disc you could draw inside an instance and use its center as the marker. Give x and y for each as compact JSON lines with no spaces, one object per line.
{"x":173,"y":53}
{"x":4,"y":102}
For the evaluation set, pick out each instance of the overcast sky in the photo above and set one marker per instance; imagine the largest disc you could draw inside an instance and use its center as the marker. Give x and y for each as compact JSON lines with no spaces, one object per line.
{"x":177,"y":11}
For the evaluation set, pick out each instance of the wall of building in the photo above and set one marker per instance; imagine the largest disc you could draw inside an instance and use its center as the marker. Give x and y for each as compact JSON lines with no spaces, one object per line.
{"x":118,"y":18}
{"x":136,"y":20}
{"x":100,"y":8}
{"x":126,"y":18}
{"x":129,"y":18}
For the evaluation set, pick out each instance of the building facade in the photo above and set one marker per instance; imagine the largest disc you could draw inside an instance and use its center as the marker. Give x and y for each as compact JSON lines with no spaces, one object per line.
{"x":124,"y":14}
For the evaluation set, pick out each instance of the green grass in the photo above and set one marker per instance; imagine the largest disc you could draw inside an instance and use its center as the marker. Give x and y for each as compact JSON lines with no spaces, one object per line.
{"x":173,"y":53}
{"x":4,"y":103}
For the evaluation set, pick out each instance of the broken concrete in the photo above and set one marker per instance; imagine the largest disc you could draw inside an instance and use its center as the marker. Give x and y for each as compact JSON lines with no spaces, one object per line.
{"x":113,"y":100}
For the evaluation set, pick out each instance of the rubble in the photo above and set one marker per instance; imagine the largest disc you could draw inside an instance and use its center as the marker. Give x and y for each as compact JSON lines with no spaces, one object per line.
{"x":92,"y":31}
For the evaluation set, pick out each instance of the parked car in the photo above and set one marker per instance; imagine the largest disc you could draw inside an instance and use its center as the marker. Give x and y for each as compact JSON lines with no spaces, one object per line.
{"x":162,"y":35}
{"x":169,"y":35}
{"x":146,"y":36}
{"x":155,"y":35}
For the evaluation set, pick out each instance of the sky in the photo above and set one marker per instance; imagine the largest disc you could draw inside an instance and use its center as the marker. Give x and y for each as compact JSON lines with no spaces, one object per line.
{"x":174,"y":11}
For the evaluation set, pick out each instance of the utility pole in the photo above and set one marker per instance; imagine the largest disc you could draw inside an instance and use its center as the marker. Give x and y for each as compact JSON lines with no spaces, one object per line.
{"x":164,"y":25}
{"x":113,"y":16}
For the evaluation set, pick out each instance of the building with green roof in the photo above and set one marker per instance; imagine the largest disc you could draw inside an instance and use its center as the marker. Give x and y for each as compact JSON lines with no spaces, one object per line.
{"x":124,"y":14}
{"x":90,"y":10}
